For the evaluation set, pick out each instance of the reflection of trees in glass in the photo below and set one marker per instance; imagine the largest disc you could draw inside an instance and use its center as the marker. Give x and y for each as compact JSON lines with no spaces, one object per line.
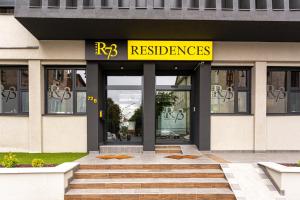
{"x":113,"y":117}
{"x":164,"y":99}
{"x":137,"y":118}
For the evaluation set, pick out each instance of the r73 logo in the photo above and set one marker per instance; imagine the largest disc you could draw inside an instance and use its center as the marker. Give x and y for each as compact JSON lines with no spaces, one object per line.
{"x":108,"y":51}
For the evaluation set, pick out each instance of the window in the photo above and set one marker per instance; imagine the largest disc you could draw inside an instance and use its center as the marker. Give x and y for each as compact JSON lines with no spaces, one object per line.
{"x":106,"y":3}
{"x":176,"y":4}
{"x":66,"y":92}
{"x":71,"y":3}
{"x":278,"y":4}
{"x":194,"y":4}
{"x":35,"y":3}
{"x":14,"y":90}
{"x":158,"y":3}
{"x":88,"y":3}
{"x":7,"y":10}
{"x":244,"y":4}
{"x":283,"y":90}
{"x":210,"y":4}
{"x":261,"y":4}
{"x":294,"y":4}
{"x":123,"y":3}
{"x":53,"y":3}
{"x":230,"y":90}
{"x":141,"y":3}
{"x":227,"y":5}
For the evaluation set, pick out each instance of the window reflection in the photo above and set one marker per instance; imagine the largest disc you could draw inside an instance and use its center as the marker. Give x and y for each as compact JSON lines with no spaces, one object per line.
{"x":276,"y":92}
{"x":124,"y":80}
{"x":60,"y":94}
{"x":173,"y":80}
{"x":9,"y":91}
{"x":172,"y":116}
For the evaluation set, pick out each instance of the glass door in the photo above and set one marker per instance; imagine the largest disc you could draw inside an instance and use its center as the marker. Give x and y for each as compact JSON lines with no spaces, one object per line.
{"x":173,"y":118}
{"x":123,"y":121}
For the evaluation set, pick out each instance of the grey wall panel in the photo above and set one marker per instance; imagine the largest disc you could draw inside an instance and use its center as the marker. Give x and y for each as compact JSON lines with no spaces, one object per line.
{"x":202,"y":106}
{"x":149,"y":107}
{"x":92,"y":108}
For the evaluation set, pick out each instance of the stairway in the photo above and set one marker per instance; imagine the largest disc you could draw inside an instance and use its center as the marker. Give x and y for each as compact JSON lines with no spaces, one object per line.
{"x":168,"y":149}
{"x":149,"y":182}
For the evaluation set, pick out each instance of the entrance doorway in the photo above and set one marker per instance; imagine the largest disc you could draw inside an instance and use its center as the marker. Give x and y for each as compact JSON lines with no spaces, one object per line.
{"x":173,"y":109}
{"x":123,"y":118}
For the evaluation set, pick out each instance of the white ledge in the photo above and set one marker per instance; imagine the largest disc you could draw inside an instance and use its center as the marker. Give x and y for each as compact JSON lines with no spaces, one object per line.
{"x":280,"y":168}
{"x":60,"y":169}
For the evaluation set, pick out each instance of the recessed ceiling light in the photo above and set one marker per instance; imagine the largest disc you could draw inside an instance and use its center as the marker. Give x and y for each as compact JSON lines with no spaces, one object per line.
{"x":175,"y":67}
{"x":122,"y":68}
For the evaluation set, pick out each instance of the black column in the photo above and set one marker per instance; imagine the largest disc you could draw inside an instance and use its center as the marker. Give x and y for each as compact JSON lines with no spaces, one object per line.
{"x":93,"y":107}
{"x":149,"y":107}
{"x":202,"y":106}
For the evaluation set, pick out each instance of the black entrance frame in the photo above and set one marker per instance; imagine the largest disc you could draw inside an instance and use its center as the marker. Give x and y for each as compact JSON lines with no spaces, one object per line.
{"x":200,"y":99}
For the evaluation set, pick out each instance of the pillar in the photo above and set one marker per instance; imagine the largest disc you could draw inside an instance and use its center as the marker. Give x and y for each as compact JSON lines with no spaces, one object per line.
{"x":36,"y":94}
{"x":149,"y":107}
{"x":259,"y":105}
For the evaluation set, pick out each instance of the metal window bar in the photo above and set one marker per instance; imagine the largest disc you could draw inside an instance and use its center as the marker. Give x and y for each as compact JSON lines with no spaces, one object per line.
{"x":53,"y":3}
{"x":278,"y":4}
{"x":227,"y":4}
{"x":210,"y":4}
{"x":35,"y":3}
{"x":71,"y":3}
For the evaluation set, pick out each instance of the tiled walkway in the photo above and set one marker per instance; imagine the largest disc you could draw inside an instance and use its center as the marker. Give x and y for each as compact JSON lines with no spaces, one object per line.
{"x":249,"y":182}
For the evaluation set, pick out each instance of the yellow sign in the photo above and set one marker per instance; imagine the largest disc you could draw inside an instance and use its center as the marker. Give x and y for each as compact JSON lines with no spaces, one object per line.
{"x":108,"y":51}
{"x":170,"y":50}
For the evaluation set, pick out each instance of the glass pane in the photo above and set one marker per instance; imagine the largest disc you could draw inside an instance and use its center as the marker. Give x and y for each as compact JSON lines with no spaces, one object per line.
{"x":242,"y":101}
{"x":60,"y":94}
{"x":124,"y":117}
{"x":222,"y":93}
{"x":24,"y":78}
{"x":295,"y":81}
{"x":295,"y":102}
{"x":242,"y":78}
{"x":172,"y":117}
{"x":8,"y":89}
{"x":81,"y":102}
{"x":276,"y":92}
{"x":173,"y":80}
{"x":124,"y":80}
{"x":25,"y":102}
{"x":80,"y":78}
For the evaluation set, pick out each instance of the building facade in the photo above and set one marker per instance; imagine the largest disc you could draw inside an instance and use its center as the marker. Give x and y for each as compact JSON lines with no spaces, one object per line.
{"x":79,"y":74}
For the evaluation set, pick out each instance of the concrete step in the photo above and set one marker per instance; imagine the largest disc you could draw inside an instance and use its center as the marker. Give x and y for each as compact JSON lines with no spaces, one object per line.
{"x":151,"y":166}
{"x":149,"y":183}
{"x":168,"y":151}
{"x":167,"y":147}
{"x":153,"y":194}
{"x":142,"y":173}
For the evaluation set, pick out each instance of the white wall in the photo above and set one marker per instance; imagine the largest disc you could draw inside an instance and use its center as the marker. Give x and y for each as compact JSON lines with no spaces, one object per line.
{"x":64,"y":134}
{"x":283,"y":132}
{"x":36,"y":183}
{"x":13,"y":134}
{"x":232,"y":132}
